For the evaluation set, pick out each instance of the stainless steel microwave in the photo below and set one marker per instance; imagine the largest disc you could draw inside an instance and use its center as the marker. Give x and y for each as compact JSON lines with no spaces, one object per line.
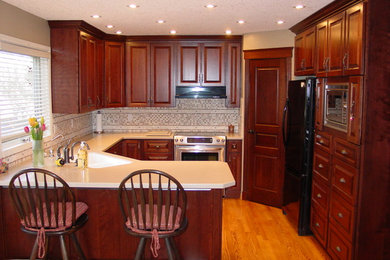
{"x":336,"y":106}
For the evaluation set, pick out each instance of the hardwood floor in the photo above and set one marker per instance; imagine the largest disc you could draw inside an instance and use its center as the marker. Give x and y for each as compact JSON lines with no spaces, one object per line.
{"x":256,"y":231}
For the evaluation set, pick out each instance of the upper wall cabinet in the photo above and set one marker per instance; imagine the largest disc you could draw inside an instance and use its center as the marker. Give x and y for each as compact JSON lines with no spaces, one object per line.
{"x":305,"y":52}
{"x":201,"y":64}
{"x":149,"y":74}
{"x":76,"y":69}
{"x":233,"y":75}
{"x":114,"y":72}
{"x":339,"y":44}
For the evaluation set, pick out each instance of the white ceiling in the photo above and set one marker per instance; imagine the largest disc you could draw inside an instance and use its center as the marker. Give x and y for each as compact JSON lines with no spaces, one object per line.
{"x":187,"y":17}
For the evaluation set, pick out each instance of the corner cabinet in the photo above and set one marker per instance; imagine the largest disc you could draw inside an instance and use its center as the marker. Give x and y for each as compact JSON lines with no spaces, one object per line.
{"x":76,"y":68}
{"x":234,"y":159}
{"x":114,"y":71}
{"x":149,"y":74}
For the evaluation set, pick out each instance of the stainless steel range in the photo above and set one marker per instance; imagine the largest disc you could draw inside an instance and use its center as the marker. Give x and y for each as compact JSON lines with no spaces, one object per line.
{"x":200,"y":147}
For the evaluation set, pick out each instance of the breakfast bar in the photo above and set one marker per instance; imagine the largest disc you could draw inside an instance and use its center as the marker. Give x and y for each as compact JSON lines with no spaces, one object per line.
{"x":103,"y":237}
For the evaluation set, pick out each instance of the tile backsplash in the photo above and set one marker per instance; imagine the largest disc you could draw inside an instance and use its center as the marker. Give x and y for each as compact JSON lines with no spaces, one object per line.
{"x":193,"y":115}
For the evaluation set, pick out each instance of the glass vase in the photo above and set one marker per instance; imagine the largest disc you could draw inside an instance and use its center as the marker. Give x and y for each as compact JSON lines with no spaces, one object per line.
{"x":37,"y":153}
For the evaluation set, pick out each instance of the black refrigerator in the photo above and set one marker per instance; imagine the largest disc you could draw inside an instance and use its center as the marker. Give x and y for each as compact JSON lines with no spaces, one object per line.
{"x":298,"y":136}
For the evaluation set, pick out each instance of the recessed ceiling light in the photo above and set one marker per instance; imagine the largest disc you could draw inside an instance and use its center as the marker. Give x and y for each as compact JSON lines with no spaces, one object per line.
{"x":172,"y":31}
{"x":110,"y":26}
{"x":118,"y":32}
{"x":299,"y":6}
{"x":241,"y":21}
{"x":210,"y":6}
{"x":96,"y":16}
{"x":228,"y":31}
{"x":133,"y":6}
{"x":160,"y":21}
{"x":280,"y":22}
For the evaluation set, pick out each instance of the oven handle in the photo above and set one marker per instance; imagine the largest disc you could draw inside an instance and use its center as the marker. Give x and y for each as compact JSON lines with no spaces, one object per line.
{"x":193,"y":149}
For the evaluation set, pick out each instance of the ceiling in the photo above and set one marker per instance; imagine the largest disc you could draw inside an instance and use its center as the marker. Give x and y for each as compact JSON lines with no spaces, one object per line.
{"x":187,"y":17}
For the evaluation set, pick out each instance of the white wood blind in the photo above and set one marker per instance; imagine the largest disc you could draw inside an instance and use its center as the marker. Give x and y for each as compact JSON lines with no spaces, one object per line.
{"x":24,"y":92}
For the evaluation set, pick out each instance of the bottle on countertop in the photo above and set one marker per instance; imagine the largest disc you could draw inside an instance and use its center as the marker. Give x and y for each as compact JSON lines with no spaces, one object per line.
{"x":82,"y":156}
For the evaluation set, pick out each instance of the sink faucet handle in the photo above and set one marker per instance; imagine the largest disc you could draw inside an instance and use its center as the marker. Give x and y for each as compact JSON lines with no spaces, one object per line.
{"x":59,"y":151}
{"x":67,"y":144}
{"x":72,"y":149}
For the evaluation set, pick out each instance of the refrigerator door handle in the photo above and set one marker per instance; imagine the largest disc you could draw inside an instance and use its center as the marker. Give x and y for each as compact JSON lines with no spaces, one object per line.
{"x":285,"y":111}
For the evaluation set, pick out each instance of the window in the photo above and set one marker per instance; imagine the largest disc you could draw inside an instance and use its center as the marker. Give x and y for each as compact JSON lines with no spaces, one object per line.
{"x":24,"y":88}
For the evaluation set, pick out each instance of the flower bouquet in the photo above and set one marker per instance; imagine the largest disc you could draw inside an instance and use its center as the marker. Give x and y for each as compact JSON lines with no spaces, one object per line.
{"x":36,"y":129}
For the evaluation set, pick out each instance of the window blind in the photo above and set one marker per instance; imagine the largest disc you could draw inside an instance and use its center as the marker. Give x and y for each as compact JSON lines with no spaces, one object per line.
{"x":24,"y":92}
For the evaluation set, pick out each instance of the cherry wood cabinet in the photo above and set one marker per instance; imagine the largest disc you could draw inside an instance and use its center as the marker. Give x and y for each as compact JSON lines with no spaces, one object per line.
{"x":116,"y":149}
{"x":149,"y":74}
{"x":157,"y":150}
{"x":355,"y":109}
{"x":132,"y":149}
{"x":319,"y":104}
{"x":305,"y":52}
{"x":234,"y":159}
{"x":114,"y":74}
{"x":201,"y":64}
{"x":76,"y":67}
{"x":233,"y":76}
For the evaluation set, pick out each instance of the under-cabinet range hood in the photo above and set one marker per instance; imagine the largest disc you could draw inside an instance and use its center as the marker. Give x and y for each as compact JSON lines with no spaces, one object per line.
{"x":200,"y":92}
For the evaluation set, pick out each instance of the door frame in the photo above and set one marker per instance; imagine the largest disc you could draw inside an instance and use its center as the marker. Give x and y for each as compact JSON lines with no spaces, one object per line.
{"x":259,"y":54}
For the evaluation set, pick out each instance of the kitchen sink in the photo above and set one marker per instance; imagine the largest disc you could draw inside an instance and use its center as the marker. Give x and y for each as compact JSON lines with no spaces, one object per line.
{"x":99,"y":160}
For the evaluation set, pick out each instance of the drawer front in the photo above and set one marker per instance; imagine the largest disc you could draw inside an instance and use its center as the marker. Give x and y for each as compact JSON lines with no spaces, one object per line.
{"x":323,"y":141}
{"x":319,"y":226}
{"x":320,"y":194}
{"x":158,"y":146}
{"x":347,"y":152}
{"x":234,"y":146}
{"x":345,"y":180}
{"x":158,"y":156}
{"x":342,"y":215}
{"x":321,"y":163}
{"x":338,"y":247}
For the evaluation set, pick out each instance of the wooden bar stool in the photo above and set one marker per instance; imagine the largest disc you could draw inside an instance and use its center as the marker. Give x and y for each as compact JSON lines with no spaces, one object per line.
{"x":47,"y":207}
{"x":153,"y":205}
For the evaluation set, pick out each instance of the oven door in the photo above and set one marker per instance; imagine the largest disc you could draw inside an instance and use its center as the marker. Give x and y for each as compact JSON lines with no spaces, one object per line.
{"x":199,"y":153}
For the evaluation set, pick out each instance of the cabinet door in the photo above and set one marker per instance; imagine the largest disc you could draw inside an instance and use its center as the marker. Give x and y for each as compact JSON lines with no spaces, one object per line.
{"x":319,"y":112}
{"x":87,"y":60}
{"x":321,"y":48}
{"x":355,"y":109}
{"x":298,"y":54}
{"x":234,"y":154}
{"x":137,"y":74}
{"x":213,"y":66}
{"x":162,"y":74}
{"x":114,"y":74}
{"x":353,"y":53}
{"x":335,"y":45}
{"x":116,"y":149}
{"x":100,"y":75}
{"x":132,"y":149}
{"x":309,"y":51}
{"x":188,"y":64}
{"x":233,"y":76}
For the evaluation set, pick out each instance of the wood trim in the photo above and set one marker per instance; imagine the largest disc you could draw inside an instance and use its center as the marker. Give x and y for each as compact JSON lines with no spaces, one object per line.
{"x":79,"y":24}
{"x":268,"y":53}
{"x":322,"y":14}
{"x":183,"y":38}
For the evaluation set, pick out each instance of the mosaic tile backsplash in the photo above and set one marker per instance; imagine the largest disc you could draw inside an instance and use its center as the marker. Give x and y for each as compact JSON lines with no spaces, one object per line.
{"x":189,"y":115}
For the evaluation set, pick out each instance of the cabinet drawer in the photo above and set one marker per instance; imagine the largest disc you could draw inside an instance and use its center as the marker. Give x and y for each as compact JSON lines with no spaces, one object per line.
{"x":347,"y":152}
{"x":320,"y":194}
{"x":323,"y":141}
{"x":157,"y":146}
{"x":319,"y":226}
{"x":321,"y":163}
{"x":158,"y":156}
{"x":342,"y":215}
{"x":338,"y":246}
{"x":234,"y":146}
{"x":345,"y":180}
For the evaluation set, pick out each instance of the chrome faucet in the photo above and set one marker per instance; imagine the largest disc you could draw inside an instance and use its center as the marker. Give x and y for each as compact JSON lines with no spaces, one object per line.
{"x":65,"y":151}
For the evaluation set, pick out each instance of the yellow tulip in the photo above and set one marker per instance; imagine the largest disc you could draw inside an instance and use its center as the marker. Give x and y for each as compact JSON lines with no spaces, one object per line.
{"x":33,"y":121}
{"x":42,"y":120}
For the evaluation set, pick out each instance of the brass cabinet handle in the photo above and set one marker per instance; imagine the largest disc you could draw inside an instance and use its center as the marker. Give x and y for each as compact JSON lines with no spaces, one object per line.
{"x":320,"y":166}
{"x":342,"y":180}
{"x":338,"y":248}
{"x":345,"y":60}
{"x":157,"y":146}
{"x":317,"y":224}
{"x":319,"y":195}
{"x":321,"y":141}
{"x":324,"y":64}
{"x":340,"y":215}
{"x":344,"y":152}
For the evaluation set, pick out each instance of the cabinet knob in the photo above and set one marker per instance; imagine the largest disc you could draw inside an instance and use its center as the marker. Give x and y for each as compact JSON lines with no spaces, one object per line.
{"x":321,"y":141}
{"x":338,"y":248}
{"x":318,"y":136}
{"x":342,"y":180}
{"x":317,"y":224}
{"x":340,"y":215}
{"x":319,"y":195}
{"x":344,"y":152}
{"x":234,"y":146}
{"x":157,"y":146}
{"x":320,"y":166}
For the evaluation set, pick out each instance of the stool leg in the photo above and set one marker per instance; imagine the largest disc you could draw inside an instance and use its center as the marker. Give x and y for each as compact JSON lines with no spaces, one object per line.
{"x":34,"y":251}
{"x":46,"y":247}
{"x":169,"y":248}
{"x":77,"y":246}
{"x":63,"y":248}
{"x":173,"y":243}
{"x":141,"y":248}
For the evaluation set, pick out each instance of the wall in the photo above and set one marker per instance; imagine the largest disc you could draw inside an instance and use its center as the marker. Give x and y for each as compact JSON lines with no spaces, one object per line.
{"x":20,"y":24}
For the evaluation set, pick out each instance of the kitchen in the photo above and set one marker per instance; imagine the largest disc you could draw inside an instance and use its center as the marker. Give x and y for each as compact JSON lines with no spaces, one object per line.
{"x":201,"y":114}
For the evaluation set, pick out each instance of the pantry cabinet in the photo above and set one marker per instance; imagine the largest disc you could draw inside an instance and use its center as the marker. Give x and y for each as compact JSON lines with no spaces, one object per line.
{"x":305,"y":52}
{"x":114,"y":72}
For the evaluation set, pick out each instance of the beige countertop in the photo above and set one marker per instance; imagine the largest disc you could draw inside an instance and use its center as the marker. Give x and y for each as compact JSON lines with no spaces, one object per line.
{"x":107,"y":170}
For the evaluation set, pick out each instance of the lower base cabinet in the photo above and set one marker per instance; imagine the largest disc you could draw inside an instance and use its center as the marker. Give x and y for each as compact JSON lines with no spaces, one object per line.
{"x":234,"y":159}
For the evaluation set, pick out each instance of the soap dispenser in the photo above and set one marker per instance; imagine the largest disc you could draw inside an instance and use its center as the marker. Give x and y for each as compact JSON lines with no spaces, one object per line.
{"x":82,"y":156}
